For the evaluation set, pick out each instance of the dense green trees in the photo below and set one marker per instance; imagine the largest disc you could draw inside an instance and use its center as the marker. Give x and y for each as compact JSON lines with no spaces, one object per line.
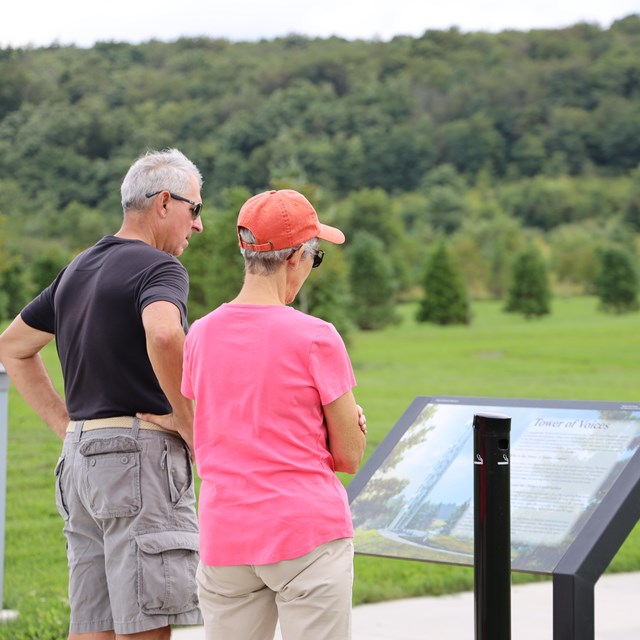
{"x":214,"y":262}
{"x":484,"y":139}
{"x":632,"y":205}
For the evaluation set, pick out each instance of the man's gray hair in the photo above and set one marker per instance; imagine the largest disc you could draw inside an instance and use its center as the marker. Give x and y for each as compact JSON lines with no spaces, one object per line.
{"x":167,"y":170}
{"x":265,"y":263}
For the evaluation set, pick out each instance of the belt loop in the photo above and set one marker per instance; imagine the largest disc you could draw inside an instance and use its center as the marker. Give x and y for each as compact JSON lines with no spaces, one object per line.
{"x":135,"y":427}
{"x":78,"y":430}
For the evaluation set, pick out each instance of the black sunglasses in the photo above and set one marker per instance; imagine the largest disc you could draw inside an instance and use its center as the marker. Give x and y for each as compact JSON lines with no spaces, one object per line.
{"x":197,"y":206}
{"x":317,"y":258}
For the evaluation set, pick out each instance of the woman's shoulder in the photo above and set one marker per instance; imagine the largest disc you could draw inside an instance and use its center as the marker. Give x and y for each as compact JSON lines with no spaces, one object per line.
{"x":315,"y":329}
{"x":308,"y":321}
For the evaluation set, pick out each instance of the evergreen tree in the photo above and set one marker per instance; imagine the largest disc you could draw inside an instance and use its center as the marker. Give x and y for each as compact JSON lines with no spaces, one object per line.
{"x":372,"y":210}
{"x":529,"y":291}
{"x":445,"y":298}
{"x":326,"y":292}
{"x":372,"y":283}
{"x":617,"y":281}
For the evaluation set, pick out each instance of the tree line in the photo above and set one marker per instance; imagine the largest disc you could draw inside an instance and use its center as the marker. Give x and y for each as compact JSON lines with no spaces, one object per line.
{"x":488,"y":143}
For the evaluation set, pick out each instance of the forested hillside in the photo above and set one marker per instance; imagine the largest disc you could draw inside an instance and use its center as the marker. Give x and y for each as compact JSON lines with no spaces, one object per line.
{"x":493,"y":141}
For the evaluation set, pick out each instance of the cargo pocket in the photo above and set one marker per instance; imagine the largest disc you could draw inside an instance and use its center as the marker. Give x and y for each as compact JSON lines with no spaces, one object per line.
{"x":112,"y":476}
{"x":177,"y":464}
{"x":60,"y":503}
{"x":167,"y":563}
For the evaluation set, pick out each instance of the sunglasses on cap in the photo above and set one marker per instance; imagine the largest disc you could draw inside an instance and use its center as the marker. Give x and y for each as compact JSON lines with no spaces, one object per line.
{"x":197,"y":206}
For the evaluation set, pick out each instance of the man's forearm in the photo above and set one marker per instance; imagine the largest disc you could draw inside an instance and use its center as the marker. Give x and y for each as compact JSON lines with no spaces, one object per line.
{"x":165,"y":341}
{"x":32,"y":381}
{"x":20,"y":347}
{"x":166,"y":359}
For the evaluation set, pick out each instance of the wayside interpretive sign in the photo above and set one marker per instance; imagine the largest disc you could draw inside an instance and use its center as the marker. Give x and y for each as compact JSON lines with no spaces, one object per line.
{"x":413,"y":498}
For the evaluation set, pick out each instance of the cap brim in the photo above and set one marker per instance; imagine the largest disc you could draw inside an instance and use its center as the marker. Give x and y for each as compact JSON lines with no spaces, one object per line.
{"x":331,"y":234}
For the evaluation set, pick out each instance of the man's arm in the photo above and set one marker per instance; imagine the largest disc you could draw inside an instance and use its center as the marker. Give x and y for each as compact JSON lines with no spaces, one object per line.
{"x":165,"y":341}
{"x":20,"y":347}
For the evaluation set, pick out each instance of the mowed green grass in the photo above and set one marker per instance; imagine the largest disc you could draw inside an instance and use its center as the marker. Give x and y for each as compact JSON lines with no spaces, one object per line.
{"x":575,"y":353}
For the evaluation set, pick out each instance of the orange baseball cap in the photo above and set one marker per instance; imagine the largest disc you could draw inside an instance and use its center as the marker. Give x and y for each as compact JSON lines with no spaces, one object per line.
{"x":283,"y":219}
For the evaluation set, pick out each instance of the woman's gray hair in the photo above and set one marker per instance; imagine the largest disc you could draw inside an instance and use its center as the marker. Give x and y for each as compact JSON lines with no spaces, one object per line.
{"x":167,"y":170}
{"x":265,"y":263}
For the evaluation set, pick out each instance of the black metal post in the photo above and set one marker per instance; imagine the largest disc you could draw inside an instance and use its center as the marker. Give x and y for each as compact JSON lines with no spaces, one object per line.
{"x":492,"y":526}
{"x":573,"y":607}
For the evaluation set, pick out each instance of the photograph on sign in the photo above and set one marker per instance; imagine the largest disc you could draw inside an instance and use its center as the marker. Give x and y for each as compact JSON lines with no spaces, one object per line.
{"x":564,"y":457}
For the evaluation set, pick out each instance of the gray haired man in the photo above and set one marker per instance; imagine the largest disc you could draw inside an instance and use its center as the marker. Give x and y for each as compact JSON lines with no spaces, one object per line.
{"x":124,"y":486}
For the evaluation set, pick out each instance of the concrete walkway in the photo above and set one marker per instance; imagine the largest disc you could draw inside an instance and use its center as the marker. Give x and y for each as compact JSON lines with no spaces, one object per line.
{"x":617,"y":614}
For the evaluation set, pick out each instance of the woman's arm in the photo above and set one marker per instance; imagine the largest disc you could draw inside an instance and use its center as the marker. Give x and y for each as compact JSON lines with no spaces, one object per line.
{"x":346,"y":435}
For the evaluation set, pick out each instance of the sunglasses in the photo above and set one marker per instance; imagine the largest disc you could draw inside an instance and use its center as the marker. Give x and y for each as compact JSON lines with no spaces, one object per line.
{"x":197,"y":206}
{"x":317,"y":258}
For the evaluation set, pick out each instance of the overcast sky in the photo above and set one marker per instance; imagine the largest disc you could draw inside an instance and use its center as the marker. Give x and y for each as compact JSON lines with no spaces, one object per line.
{"x":84,"y":22}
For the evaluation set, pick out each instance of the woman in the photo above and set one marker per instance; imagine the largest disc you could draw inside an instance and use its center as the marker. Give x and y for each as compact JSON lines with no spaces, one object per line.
{"x":275,"y":418}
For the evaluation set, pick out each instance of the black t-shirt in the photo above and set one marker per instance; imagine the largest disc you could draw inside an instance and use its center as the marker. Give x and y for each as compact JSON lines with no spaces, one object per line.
{"x":94,"y":308}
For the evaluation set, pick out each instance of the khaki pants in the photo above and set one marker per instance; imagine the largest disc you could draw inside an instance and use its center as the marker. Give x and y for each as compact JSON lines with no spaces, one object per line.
{"x":311,"y":596}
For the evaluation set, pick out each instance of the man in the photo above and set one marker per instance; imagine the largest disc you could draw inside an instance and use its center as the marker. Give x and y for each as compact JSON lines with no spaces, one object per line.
{"x":124,"y":486}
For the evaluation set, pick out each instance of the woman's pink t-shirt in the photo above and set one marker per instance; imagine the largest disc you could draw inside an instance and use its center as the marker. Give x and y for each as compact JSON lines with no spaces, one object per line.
{"x":259,"y":375}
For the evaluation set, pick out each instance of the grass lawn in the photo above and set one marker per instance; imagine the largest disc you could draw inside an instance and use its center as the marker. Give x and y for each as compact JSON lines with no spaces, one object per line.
{"x":576,"y":353}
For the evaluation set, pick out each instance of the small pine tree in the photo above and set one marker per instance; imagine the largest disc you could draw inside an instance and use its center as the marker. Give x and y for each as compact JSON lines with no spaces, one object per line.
{"x":617,"y":281}
{"x":326,"y":292}
{"x":372,"y":283}
{"x":529,"y":291}
{"x":445,"y":298}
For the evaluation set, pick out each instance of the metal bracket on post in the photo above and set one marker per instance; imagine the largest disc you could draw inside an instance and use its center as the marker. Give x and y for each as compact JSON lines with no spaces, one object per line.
{"x":492,"y":526}
{"x":4,"y":429}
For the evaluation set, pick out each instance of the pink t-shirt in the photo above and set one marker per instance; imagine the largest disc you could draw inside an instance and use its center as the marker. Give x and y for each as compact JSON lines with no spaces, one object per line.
{"x":259,"y":375}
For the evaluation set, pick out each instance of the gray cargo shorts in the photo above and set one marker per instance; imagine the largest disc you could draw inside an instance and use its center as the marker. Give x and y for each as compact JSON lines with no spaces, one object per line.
{"x":128,"y":503}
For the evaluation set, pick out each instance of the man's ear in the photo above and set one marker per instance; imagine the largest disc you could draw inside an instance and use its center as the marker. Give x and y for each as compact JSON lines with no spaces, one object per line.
{"x":161,"y":204}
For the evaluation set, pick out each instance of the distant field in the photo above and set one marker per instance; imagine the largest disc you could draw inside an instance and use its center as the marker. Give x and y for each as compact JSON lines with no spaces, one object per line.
{"x":576,"y":353}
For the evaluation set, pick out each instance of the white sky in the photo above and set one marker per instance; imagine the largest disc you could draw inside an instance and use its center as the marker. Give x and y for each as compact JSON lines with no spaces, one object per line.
{"x":83,"y":22}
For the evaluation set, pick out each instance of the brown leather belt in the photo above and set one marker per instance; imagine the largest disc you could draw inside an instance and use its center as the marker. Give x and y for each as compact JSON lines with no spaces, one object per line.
{"x":118,"y":422}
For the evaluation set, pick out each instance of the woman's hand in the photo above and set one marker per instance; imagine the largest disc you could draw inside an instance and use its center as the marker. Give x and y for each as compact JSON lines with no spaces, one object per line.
{"x":362,"y":421}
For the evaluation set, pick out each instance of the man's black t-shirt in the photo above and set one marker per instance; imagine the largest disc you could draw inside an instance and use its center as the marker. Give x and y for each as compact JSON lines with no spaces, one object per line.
{"x":94,"y":308}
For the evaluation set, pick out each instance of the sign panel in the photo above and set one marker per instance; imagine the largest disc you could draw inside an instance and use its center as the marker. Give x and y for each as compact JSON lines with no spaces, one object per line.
{"x":414,"y":497}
